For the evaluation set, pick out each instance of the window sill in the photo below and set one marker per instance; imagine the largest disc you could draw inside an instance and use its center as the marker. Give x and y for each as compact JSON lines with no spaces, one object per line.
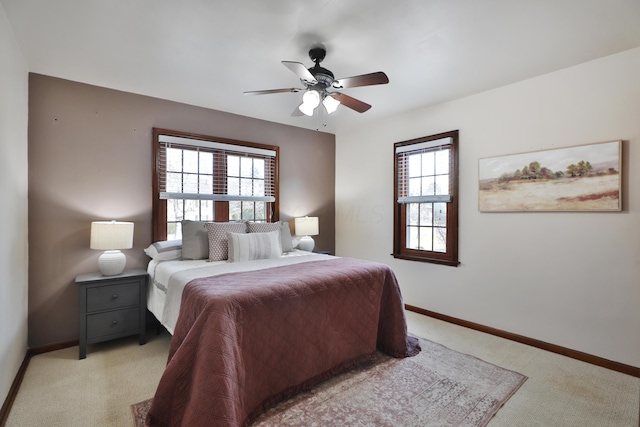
{"x":454,"y":263}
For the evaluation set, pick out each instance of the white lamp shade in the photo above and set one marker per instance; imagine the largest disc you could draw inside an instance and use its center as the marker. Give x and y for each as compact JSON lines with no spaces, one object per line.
{"x":110,"y":235}
{"x":307,"y":226}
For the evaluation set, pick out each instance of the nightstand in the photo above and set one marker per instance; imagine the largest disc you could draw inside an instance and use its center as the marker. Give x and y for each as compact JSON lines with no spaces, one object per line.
{"x":111,"y":307}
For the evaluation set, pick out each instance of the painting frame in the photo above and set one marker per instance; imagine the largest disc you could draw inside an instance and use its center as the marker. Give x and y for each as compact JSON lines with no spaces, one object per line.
{"x":580,"y":178}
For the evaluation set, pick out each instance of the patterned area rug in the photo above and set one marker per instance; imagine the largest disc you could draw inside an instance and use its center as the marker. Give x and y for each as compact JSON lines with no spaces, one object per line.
{"x":439,"y":387}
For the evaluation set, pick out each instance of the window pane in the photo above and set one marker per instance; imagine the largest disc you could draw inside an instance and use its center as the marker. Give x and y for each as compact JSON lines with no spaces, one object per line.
{"x":428,"y":186}
{"x":233,"y":186}
{"x":190,"y":161}
{"x":235,"y":211}
{"x":426,"y":214}
{"x":440,"y":214}
{"x":440,"y":239}
{"x":428,"y":163}
{"x":174,"y":159}
{"x":442,"y":162}
{"x":174,"y":182}
{"x":413,"y":242}
{"x":174,"y":210}
{"x":246,"y":167}
{"x":246,"y":187}
{"x":247,"y":211}
{"x":426,"y":236}
{"x":206,"y":184}
{"x":192,"y":210}
{"x":190,"y":183}
{"x":260,"y":214}
{"x":233,"y":166}
{"x":442,"y":184}
{"x":206,"y":163}
{"x":413,"y":214}
{"x":415,"y":161}
{"x":258,"y":168}
{"x":415,"y":186}
{"x":206,"y":210}
{"x":174,"y":231}
{"x":258,"y":187}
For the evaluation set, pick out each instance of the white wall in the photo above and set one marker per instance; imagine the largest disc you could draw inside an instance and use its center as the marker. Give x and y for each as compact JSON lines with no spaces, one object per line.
{"x":13,"y":208}
{"x":571,"y":279}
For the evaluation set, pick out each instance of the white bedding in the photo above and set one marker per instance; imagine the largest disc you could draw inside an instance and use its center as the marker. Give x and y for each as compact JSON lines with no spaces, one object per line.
{"x":168,"y":279}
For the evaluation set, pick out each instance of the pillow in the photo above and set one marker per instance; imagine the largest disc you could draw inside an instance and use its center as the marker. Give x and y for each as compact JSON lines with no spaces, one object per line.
{"x":285,"y":237}
{"x":218,"y":241}
{"x":195,"y":242}
{"x":252,"y":246}
{"x":165,"y":250}
{"x":286,"y":242}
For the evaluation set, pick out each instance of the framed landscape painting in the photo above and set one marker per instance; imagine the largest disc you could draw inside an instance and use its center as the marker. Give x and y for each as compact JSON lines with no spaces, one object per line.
{"x":571,"y":179}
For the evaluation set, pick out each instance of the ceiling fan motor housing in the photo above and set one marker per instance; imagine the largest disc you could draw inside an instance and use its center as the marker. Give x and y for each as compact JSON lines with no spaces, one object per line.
{"x":324,"y":77}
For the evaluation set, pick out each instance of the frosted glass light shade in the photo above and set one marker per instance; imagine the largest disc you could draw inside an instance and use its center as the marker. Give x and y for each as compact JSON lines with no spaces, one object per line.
{"x":330,"y":104}
{"x":111,"y":236}
{"x":310,"y":100}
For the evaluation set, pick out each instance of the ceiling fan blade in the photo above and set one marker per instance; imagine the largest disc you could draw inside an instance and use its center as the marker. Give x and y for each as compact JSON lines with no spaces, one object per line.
{"x":301,"y":71}
{"x":350,"y":102}
{"x":371,"y":79}
{"x":269,"y":91}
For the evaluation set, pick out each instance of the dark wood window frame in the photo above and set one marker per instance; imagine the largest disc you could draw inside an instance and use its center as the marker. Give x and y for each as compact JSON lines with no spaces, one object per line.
{"x":400,"y":250}
{"x":221,"y":208}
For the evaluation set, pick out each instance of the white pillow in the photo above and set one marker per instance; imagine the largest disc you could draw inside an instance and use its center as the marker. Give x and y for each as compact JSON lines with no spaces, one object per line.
{"x":165,"y":250}
{"x":252,"y":246}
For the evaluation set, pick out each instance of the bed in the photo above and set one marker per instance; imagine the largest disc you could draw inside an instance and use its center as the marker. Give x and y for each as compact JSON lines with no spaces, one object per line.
{"x":249,"y":334}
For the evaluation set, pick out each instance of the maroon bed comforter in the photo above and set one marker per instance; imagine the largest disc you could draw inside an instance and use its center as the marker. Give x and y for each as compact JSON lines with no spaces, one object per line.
{"x":245,"y":341}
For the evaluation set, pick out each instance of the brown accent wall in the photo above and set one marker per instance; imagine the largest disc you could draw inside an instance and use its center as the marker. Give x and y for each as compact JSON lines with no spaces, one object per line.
{"x":90,"y":159}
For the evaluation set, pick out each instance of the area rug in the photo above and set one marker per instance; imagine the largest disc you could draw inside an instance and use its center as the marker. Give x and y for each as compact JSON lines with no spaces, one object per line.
{"x":439,"y":387}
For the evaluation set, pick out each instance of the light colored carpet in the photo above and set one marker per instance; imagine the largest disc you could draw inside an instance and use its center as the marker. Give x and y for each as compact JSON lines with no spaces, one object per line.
{"x":61,"y":391}
{"x":438,"y":387}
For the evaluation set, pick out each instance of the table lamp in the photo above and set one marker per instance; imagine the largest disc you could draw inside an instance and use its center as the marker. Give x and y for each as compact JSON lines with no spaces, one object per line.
{"x":111,"y":236}
{"x":306,"y":227}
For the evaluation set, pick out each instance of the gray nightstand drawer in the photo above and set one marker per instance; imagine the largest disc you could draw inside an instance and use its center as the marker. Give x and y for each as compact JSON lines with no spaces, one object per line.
{"x":118,"y":322}
{"x":112,"y":296}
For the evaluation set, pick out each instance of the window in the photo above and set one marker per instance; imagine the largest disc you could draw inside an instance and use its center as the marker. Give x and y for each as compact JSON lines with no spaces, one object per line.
{"x":426,"y":199}
{"x":203,"y":178}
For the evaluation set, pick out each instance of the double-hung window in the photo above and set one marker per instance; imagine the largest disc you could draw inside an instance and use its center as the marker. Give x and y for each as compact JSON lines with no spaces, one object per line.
{"x":426,"y":199}
{"x":204,"y":178}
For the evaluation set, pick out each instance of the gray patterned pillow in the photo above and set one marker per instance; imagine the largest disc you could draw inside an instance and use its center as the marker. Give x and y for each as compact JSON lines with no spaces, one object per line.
{"x":252,"y":246}
{"x":218,"y":243}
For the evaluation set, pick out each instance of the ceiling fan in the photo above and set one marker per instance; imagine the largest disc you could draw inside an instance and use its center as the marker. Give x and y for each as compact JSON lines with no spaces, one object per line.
{"x":321,"y":86}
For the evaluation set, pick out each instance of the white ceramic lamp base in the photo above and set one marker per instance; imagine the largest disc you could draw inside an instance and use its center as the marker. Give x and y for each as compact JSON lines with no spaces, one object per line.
{"x":306,"y":243}
{"x":112,"y":262}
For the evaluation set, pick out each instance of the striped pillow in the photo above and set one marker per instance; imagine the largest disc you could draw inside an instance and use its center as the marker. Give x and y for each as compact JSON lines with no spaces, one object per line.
{"x":285,"y":233}
{"x":252,"y":246}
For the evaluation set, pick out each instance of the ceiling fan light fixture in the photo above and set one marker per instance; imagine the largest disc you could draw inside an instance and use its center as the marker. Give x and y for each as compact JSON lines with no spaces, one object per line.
{"x":330,"y":104}
{"x":310,"y":100}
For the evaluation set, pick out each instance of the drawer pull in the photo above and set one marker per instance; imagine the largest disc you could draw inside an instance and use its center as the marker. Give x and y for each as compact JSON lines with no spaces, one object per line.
{"x":114,"y":296}
{"x":114,"y":322}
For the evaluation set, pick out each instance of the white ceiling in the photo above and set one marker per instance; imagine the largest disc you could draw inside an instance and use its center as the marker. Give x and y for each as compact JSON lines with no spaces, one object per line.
{"x":207,"y":52}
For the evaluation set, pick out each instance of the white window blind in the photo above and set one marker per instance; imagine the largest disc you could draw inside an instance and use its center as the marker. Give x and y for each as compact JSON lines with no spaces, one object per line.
{"x":424,"y":171}
{"x":193,"y":169}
